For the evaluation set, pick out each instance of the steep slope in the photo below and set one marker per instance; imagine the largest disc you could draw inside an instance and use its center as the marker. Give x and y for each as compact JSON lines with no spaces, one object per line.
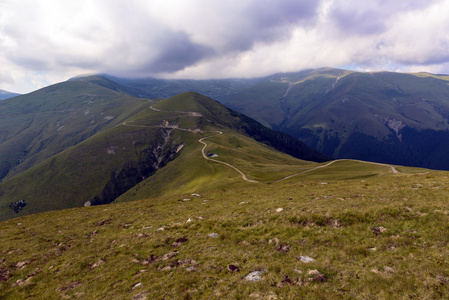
{"x":386,"y":117}
{"x":106,"y":165}
{"x":38,"y":125}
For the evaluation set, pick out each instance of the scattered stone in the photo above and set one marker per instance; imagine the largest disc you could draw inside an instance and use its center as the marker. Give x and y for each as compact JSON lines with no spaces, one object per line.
{"x":139,"y":284}
{"x":297,"y":271}
{"x":190,"y":269}
{"x":186,"y":199}
{"x":69,"y":286}
{"x":442,"y":279}
{"x":189,"y":220}
{"x":143,"y":235}
{"x":305,"y":259}
{"x":378,"y":230}
{"x":324,"y":183}
{"x":160,"y":229}
{"x":87,"y":204}
{"x":167,"y":268}
{"x":317,"y":276}
{"x":196,"y":195}
{"x":244,"y":202}
{"x":141,"y":296}
{"x":168,"y":256}
{"x":96,"y":264}
{"x":283,"y":248}
{"x":274,"y":241}
{"x":179,"y":242}
{"x":254,"y":276}
{"x":213,"y":235}
{"x":233,"y":268}
{"x":372,"y":249}
{"x":334,"y":224}
{"x":186,"y":262}
{"x":280,"y":209}
{"x":5,"y":275}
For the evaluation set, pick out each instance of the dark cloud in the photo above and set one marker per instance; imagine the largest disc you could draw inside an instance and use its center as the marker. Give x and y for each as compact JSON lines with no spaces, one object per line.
{"x":371,"y":17}
{"x":176,"y":52}
{"x":268,"y":21}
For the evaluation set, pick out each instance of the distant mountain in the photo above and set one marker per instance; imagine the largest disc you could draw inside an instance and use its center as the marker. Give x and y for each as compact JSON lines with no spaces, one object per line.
{"x":5,"y":94}
{"x":86,"y":141}
{"x":218,"y":89}
{"x":381,"y":116}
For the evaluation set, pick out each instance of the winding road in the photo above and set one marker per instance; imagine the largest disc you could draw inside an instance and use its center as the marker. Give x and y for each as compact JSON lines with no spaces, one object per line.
{"x":217,"y":132}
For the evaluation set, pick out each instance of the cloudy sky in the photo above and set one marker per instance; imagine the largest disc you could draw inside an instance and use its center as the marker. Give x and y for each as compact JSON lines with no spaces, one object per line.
{"x":47,"y":41}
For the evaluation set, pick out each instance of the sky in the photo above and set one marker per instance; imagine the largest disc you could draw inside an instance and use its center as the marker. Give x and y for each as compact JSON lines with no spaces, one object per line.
{"x":43,"y":42}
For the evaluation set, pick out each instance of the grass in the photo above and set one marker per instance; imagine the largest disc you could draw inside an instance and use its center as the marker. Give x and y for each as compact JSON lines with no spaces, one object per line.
{"x":106,"y":251}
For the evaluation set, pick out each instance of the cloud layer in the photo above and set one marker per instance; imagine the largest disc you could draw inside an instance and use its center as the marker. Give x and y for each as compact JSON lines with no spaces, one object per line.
{"x":45,"y":41}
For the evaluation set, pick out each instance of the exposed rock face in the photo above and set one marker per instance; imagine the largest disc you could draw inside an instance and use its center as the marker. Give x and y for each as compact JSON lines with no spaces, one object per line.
{"x":160,"y":151}
{"x":394,"y":125}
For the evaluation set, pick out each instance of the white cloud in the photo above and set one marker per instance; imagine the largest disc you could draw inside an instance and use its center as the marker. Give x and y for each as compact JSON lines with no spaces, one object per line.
{"x":45,"y":41}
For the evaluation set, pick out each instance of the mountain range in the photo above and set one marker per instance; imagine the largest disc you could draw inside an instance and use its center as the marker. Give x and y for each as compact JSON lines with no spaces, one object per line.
{"x":5,"y":94}
{"x":205,"y":202}
{"x":91,"y":140}
{"x":84,"y":142}
{"x":387,"y":117}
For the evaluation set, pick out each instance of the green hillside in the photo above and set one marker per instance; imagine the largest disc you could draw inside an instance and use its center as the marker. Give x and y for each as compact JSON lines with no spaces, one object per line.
{"x":160,"y":138}
{"x":36,"y":126}
{"x":349,"y":230}
{"x":382,"y":116}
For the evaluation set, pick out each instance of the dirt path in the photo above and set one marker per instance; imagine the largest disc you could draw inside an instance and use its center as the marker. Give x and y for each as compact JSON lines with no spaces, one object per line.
{"x":217,"y":132}
{"x":201,"y":140}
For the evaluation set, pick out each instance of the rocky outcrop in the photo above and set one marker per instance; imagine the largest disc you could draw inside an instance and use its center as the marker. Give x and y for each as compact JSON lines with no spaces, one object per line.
{"x":160,"y":151}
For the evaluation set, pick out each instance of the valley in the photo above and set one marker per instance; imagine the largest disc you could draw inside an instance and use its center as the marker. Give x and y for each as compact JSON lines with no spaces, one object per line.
{"x":124,"y":197}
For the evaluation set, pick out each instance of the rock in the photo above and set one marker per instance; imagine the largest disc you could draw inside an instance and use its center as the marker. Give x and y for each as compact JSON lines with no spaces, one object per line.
{"x":233,"y":268}
{"x":22,"y":264}
{"x":254,"y":276}
{"x":186,"y":261}
{"x":274,"y":241}
{"x":317,"y":276}
{"x":168,"y":256}
{"x":297,"y":271}
{"x":283,"y":248}
{"x":179,"y":242}
{"x":96,"y":264}
{"x":196,"y":195}
{"x":190,"y":269}
{"x":160,"y":229}
{"x":141,"y":296}
{"x":378,"y":230}
{"x":87,"y":203}
{"x":280,"y":209}
{"x":213,"y":235}
{"x":189,"y":220}
{"x":305,"y":259}
{"x":139,"y":284}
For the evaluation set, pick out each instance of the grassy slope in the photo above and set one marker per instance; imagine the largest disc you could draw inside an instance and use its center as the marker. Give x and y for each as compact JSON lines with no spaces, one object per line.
{"x":326,"y":107}
{"x":81,"y":172}
{"x":117,"y":251}
{"x":35,"y":126}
